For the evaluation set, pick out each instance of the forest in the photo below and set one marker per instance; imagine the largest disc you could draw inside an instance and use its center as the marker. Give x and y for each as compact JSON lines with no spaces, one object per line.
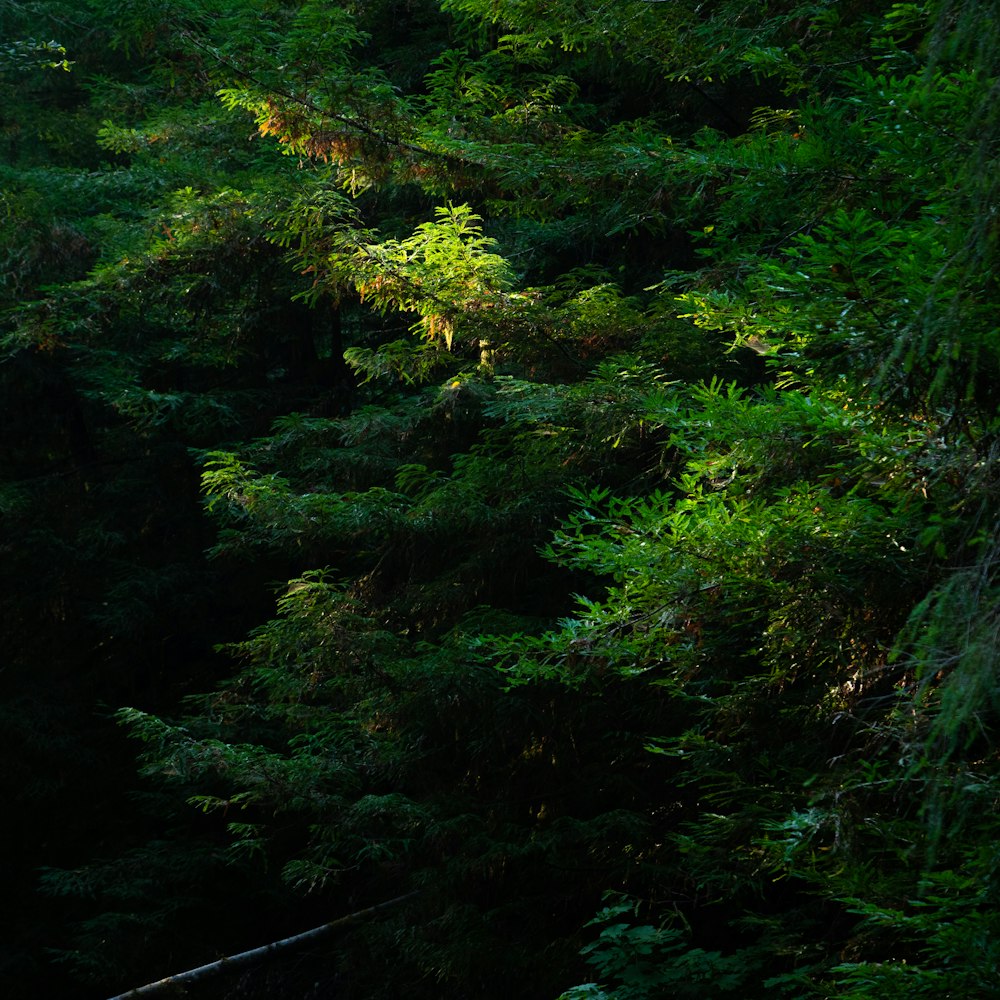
{"x":517,"y":481}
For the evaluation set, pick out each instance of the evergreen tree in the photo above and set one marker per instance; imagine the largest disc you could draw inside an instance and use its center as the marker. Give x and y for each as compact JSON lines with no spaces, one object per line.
{"x":614,"y":386}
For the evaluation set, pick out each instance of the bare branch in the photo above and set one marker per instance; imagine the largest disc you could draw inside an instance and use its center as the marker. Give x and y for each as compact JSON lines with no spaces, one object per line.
{"x":231,"y":962}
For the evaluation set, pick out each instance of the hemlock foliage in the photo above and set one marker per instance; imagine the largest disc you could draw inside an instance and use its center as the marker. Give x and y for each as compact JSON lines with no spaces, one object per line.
{"x":613,"y":391}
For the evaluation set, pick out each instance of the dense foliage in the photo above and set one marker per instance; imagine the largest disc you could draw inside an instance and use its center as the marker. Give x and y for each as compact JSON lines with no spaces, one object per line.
{"x":611,"y":391}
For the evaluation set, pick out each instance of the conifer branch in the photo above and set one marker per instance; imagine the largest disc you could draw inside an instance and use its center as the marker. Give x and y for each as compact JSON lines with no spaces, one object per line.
{"x":231,"y":962}
{"x":355,"y":123}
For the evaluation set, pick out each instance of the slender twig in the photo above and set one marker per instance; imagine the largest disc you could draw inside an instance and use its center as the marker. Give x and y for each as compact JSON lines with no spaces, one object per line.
{"x":247,"y":957}
{"x":363,"y":127}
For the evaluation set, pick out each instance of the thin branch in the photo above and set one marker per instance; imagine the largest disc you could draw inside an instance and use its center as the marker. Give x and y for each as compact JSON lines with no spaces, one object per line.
{"x":247,"y":957}
{"x":363,"y":127}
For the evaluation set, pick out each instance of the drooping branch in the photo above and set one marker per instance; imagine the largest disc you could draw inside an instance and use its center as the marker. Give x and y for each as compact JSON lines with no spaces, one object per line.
{"x":237,"y":961}
{"x":354,"y":123}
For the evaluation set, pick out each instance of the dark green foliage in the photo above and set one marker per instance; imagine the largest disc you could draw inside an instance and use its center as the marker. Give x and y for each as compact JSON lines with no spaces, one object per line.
{"x":615,"y":388}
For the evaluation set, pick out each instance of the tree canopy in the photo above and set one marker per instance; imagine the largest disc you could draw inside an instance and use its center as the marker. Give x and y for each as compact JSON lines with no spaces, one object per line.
{"x":532,"y":463}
